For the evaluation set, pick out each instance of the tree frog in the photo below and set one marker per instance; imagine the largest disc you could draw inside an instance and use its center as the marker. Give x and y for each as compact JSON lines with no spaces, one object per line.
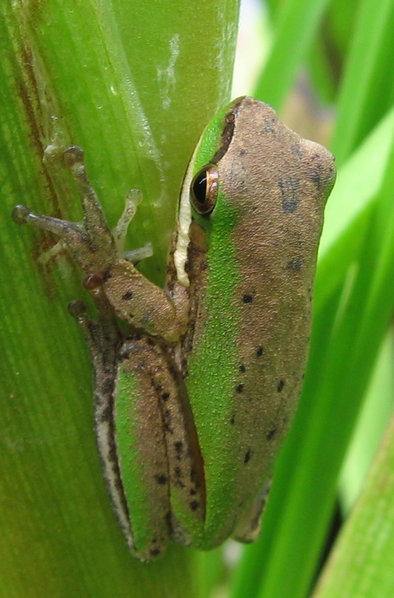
{"x":192,"y":402}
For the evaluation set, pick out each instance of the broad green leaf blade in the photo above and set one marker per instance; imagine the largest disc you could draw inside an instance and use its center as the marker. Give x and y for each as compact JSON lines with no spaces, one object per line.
{"x":368,"y":75}
{"x":349,"y":208}
{"x":67,"y":75}
{"x":296,"y":27}
{"x":328,"y":51}
{"x":320,"y":70}
{"x":362,"y":563}
{"x":370,"y":428}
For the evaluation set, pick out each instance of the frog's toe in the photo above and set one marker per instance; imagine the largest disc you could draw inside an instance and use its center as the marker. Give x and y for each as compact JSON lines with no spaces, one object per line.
{"x":73,"y":155}
{"x":20,"y":214}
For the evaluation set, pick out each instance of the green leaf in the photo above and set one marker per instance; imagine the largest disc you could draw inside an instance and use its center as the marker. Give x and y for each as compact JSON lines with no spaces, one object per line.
{"x":134,"y":84}
{"x":362,"y":562}
{"x":295,"y":29}
{"x":371,"y":425}
{"x":368,"y":76}
{"x":350,"y":206}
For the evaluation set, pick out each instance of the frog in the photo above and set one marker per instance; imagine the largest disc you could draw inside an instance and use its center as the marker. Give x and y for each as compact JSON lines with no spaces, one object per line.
{"x":195,"y":394}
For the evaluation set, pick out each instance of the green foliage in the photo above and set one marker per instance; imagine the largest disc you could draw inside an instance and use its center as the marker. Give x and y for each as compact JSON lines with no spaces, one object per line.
{"x":134,"y":83}
{"x":128,"y":82}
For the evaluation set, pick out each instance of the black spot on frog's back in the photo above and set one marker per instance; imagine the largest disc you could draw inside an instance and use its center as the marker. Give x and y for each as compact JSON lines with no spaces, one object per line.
{"x":297,"y":151}
{"x":167,"y":420}
{"x":178,"y":445}
{"x":194,"y":505}
{"x":269,"y":125}
{"x":247,"y":456}
{"x":271,"y":434}
{"x":295,"y":264}
{"x":289,"y":188}
{"x":316,"y":178}
{"x":161,"y":479}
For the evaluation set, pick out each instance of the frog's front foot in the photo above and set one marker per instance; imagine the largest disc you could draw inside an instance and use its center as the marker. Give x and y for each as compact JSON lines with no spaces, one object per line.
{"x":91,"y":243}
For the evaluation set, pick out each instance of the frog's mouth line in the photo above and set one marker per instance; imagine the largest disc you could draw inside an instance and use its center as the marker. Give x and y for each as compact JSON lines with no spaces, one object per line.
{"x":228,"y":130}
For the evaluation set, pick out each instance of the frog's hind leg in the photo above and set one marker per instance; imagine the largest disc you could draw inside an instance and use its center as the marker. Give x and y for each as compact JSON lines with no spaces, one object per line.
{"x":103,"y":340}
{"x":102,"y":335}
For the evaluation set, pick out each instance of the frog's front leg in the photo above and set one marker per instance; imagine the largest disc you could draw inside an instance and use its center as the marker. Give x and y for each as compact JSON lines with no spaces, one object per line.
{"x":97,"y":251}
{"x":137,"y":300}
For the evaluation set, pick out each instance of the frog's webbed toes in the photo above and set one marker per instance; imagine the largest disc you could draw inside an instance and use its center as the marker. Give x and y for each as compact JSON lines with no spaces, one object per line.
{"x":77,"y":310}
{"x":91,"y":253}
{"x":108,"y":244}
{"x":20,"y":214}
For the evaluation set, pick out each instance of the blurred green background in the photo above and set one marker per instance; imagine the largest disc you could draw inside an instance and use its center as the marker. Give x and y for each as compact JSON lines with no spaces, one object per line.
{"x":134,"y":84}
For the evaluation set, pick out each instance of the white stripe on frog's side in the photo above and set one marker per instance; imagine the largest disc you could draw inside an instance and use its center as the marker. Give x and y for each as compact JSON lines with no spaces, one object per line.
{"x":107,"y":447}
{"x":184,"y":221}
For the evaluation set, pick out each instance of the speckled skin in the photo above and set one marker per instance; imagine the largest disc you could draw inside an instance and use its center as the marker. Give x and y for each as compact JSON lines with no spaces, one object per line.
{"x":276,"y":184}
{"x":213,"y":366}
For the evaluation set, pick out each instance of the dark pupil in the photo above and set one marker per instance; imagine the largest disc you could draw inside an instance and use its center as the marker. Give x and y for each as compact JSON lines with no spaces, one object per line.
{"x":200,"y":186}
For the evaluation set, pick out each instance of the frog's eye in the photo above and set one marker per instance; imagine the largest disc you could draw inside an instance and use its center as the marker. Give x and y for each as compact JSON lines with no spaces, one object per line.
{"x":204,"y":189}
